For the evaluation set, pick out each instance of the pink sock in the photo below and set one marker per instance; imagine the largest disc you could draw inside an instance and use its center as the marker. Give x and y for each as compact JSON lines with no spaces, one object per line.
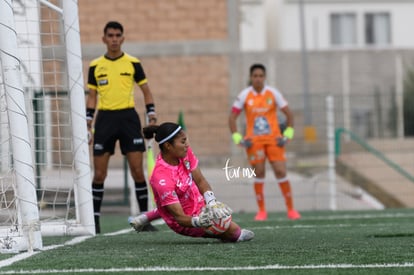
{"x":236,"y":235}
{"x":152,"y":214}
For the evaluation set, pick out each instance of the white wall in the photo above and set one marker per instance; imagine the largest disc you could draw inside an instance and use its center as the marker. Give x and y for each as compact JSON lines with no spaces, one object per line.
{"x":317,"y":18}
{"x":252,"y":25}
{"x":274,"y":25}
{"x":402,"y":24}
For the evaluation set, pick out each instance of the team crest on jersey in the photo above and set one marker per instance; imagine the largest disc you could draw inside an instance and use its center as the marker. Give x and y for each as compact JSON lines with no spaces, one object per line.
{"x":269,"y":101}
{"x":187,"y":164}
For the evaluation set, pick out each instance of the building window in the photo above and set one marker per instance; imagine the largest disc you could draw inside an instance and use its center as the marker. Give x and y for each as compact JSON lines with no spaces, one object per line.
{"x":343,"y":29}
{"x":377,"y":28}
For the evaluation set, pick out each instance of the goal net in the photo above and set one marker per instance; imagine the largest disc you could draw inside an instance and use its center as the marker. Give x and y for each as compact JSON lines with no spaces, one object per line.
{"x":45,"y":179}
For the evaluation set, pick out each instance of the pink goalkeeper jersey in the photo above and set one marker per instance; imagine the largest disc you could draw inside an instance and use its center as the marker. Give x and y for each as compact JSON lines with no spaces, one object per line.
{"x":174,"y":184}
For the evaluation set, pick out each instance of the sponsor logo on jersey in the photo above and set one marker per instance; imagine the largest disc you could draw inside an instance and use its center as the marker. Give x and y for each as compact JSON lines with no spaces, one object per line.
{"x":137,"y":141}
{"x":165,"y":194}
{"x":261,"y":126}
{"x":98,"y":146}
{"x":102,"y":82}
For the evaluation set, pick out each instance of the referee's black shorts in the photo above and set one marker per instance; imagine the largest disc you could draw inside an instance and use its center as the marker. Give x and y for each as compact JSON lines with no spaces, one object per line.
{"x":123,"y":125}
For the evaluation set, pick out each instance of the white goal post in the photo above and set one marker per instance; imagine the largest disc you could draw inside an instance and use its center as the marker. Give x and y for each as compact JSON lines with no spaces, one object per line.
{"x":45,"y":175}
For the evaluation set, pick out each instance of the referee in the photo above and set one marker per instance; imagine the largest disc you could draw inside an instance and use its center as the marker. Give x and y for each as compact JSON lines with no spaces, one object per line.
{"x":111,"y":80}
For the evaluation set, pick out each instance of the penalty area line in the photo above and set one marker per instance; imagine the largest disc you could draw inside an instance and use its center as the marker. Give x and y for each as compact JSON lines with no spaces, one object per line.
{"x":237,"y":268}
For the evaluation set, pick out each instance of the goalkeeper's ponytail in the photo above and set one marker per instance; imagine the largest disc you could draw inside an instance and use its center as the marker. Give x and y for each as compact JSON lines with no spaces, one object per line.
{"x":149,"y":131}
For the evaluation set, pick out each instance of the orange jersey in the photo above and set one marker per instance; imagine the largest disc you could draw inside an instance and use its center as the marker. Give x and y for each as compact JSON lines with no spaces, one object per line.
{"x":262,"y":124}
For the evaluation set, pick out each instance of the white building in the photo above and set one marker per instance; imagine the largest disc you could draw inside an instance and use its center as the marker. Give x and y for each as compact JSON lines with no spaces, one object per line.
{"x":328,"y":24}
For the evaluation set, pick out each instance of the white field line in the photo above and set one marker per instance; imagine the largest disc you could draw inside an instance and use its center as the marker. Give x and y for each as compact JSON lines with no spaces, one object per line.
{"x":372,"y":215}
{"x":235,"y":268}
{"x":301,"y":226}
{"x":120,"y":232}
{"x":351,"y":216}
{"x":73,"y":241}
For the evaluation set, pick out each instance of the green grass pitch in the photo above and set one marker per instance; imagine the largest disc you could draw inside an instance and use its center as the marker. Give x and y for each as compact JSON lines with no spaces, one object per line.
{"x":323,"y":242}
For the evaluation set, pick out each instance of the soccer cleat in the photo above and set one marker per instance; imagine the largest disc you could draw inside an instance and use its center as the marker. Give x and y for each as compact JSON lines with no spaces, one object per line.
{"x":245,"y":235}
{"x":140,"y":224}
{"x":293,"y":215}
{"x":261,"y":216}
{"x":149,"y":228}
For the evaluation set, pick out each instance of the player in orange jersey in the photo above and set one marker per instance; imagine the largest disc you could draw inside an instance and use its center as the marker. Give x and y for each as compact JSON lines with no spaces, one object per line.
{"x":264,"y":139}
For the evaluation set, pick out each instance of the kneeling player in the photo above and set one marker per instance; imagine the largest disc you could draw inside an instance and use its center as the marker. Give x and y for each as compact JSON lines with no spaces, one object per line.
{"x":183,"y":196}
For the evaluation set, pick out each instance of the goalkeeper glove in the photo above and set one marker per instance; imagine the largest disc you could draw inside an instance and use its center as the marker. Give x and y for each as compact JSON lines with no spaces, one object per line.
{"x":281,"y":141}
{"x":289,"y":132}
{"x":247,"y":143}
{"x":218,"y":209}
{"x":237,"y":138}
{"x":203,"y":219}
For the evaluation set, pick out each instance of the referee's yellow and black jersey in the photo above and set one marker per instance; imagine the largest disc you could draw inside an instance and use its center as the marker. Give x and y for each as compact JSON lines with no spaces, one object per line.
{"x":114,"y":80}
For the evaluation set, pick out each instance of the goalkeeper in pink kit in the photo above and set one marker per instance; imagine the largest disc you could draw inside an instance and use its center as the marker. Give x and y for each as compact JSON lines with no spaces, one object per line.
{"x":183,"y":196}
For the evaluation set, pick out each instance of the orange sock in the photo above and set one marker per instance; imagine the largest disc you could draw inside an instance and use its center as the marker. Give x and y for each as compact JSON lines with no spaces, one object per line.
{"x":284,"y":185}
{"x":258,"y":189}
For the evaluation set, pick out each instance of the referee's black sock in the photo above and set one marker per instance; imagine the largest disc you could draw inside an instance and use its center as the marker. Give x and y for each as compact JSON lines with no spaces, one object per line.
{"x":97,"y":194}
{"x":141,"y":192}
